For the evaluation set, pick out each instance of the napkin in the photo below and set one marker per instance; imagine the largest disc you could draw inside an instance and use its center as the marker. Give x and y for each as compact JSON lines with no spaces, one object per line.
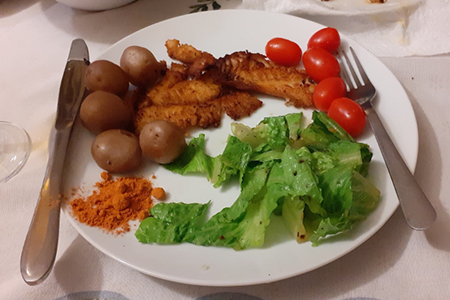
{"x":396,"y":28}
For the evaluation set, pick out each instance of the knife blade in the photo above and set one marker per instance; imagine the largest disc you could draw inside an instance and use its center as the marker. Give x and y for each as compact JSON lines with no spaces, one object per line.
{"x":39,"y":250}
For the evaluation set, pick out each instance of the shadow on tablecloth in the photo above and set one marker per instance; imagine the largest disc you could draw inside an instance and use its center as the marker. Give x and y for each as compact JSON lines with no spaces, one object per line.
{"x":12,"y":7}
{"x":71,"y":272}
{"x":112,"y":25}
{"x":429,"y":176}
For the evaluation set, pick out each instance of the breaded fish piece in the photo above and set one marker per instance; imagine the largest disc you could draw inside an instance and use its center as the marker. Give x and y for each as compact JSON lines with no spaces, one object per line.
{"x":176,"y":89}
{"x":196,"y":60}
{"x":239,"y":104}
{"x":253,"y":71}
{"x":182,"y":68}
{"x":167,"y":82}
{"x":185,"y":101}
{"x":184,"y":116}
{"x":236,"y":104}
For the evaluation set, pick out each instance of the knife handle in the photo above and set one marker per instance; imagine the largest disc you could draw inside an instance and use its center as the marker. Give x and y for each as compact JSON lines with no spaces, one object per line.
{"x":39,"y":250}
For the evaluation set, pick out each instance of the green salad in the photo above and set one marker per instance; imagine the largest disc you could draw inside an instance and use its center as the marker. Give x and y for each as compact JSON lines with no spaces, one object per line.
{"x":313,"y":177}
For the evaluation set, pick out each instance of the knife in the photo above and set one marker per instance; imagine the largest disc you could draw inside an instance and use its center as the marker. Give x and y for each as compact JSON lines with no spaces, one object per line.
{"x":39,"y":250}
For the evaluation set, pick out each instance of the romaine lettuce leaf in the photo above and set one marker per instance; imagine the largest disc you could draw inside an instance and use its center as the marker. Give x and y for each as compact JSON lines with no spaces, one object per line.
{"x":313,"y":177}
{"x":299,"y":178}
{"x":365,"y":197}
{"x":366,"y":156}
{"x":227,"y":227}
{"x":293,"y":214}
{"x":248,"y":135}
{"x":193,"y":159}
{"x":295,"y":125}
{"x":330,"y":226}
{"x":170,"y":222}
{"x":276,"y":132}
{"x":233,"y":161}
{"x":267,"y":156}
{"x":354,"y":200}
{"x":336,"y":188}
{"x":322,"y":132}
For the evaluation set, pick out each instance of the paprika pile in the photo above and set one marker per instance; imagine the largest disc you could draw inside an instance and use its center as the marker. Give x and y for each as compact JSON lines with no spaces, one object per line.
{"x":115,"y":202}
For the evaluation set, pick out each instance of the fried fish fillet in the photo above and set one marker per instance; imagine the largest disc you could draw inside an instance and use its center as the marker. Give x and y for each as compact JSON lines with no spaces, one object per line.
{"x":184,"y":116}
{"x":191,"y":103}
{"x":236,"y":105}
{"x":176,"y":89}
{"x":253,"y":71}
{"x":239,"y":104}
{"x":181,"y":68}
{"x":196,"y":60}
{"x":197,"y":91}
{"x":184,"y":101}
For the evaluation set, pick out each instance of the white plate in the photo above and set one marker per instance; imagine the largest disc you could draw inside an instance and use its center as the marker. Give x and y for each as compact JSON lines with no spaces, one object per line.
{"x":365,"y":6}
{"x":95,"y":5}
{"x":222,"y":32}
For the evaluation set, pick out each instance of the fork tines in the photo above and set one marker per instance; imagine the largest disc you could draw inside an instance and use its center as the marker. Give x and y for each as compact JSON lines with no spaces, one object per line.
{"x":345,"y":74}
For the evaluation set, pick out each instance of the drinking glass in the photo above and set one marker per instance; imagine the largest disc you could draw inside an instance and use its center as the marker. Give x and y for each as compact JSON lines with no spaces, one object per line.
{"x":15,"y":147}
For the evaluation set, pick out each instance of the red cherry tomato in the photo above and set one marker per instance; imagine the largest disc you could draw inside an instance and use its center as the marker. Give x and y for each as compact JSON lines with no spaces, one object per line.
{"x":283,"y":52}
{"x":349,"y":115}
{"x":320,"y":64}
{"x":327,"y":91}
{"x":327,"y":38}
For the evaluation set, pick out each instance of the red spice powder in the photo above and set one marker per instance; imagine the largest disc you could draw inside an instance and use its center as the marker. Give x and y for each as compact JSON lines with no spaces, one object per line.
{"x":114,"y":203}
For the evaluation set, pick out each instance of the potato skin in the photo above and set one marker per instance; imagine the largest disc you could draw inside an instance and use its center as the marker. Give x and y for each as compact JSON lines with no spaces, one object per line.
{"x":162,"y":141}
{"x":101,"y":111}
{"x":117,"y":151}
{"x":103,"y":75}
{"x":141,"y":66}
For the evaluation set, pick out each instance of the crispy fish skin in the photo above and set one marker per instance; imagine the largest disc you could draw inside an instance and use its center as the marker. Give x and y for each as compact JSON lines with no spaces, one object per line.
{"x":187,"y":92}
{"x":253,"y":71}
{"x":187,"y":102}
{"x":184,"y":116}
{"x":167,"y":82}
{"x":176,"y":90}
{"x":239,"y":104}
{"x":196,"y":60}
{"x":236,"y":104}
{"x":182,"y":68}
{"x":186,"y":54}
{"x":198,"y":91}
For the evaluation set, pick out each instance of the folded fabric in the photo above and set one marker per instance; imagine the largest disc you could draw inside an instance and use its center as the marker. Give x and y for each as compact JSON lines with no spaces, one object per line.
{"x":395,"y":28}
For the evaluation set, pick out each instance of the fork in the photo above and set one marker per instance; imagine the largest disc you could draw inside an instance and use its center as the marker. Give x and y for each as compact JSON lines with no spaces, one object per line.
{"x":417,"y":209}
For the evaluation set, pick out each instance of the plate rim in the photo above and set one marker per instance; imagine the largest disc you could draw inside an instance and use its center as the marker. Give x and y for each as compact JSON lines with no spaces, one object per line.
{"x":412,"y":164}
{"x":368,"y":8}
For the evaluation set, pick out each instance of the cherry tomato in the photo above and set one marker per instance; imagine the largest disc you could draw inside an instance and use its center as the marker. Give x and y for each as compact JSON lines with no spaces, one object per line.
{"x":320,"y":64}
{"x":327,"y":91}
{"x":327,"y":38}
{"x":283,"y":52}
{"x":349,"y":115}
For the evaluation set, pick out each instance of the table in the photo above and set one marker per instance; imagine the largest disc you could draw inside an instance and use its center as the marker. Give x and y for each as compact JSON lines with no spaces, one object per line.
{"x":396,"y":263}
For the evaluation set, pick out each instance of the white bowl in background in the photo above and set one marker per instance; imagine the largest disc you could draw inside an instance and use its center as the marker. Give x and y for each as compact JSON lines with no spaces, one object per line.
{"x":95,"y":5}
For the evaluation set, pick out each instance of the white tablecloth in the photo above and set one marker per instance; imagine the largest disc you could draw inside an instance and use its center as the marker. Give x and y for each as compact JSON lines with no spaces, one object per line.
{"x":396,"y":263}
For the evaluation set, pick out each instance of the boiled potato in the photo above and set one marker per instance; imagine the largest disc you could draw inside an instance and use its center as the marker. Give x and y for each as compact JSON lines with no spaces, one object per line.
{"x":103,"y":75}
{"x":102,"y":111}
{"x":162,"y":141}
{"x":141,"y":66}
{"x":117,"y":151}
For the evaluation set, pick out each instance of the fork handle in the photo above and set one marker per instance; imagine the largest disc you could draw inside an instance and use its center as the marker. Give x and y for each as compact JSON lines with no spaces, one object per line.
{"x":418,"y":211}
